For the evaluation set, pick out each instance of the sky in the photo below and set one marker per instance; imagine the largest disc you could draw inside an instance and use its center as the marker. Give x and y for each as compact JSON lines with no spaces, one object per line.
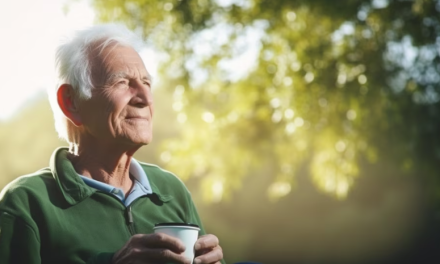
{"x":31,"y":30}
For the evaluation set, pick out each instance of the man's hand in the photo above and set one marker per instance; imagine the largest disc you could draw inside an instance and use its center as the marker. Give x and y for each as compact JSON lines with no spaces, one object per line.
{"x":208,"y":250}
{"x":152,"y":248}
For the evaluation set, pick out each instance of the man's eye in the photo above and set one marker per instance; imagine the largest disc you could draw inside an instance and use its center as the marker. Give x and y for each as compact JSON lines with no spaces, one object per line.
{"x":122,"y":83}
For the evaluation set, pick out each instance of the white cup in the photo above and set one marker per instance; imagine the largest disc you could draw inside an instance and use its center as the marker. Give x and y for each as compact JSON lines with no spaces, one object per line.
{"x":187,"y":233}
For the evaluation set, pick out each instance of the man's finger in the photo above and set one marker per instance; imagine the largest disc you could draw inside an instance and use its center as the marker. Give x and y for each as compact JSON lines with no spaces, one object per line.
{"x":213,"y":256}
{"x":160,"y":240}
{"x":206,"y":242}
{"x":163,"y":255}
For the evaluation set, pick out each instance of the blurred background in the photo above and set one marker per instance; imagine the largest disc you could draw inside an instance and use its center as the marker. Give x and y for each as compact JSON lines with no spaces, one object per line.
{"x":308,"y":131}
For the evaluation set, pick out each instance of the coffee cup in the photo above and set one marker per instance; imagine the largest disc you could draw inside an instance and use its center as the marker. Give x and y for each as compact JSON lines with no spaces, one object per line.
{"x":187,"y":233}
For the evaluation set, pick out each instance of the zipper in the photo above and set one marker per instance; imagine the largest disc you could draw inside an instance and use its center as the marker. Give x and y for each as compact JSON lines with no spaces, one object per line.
{"x":128,"y":214}
{"x":130,"y":222}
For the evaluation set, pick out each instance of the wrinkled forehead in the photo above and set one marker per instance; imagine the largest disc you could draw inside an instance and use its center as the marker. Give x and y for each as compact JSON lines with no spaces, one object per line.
{"x":115,"y":60}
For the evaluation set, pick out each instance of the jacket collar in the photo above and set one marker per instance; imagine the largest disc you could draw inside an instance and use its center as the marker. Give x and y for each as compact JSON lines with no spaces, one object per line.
{"x":70,"y":183}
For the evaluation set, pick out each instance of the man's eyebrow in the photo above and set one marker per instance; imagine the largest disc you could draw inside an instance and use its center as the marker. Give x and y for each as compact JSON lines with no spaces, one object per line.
{"x":147,"y":77}
{"x":112,"y":77}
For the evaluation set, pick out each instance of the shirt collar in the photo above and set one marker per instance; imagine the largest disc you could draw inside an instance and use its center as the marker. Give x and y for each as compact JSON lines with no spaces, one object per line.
{"x":139,"y":175}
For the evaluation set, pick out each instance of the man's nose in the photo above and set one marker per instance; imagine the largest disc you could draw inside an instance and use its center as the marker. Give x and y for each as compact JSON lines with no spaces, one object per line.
{"x":142,"y":93}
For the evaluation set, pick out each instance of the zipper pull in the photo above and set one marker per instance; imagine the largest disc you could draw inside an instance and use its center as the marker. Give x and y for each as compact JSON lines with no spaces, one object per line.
{"x":129,"y":216}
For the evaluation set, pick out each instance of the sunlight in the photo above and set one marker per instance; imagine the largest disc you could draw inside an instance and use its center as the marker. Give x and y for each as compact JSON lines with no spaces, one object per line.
{"x":278,"y":190}
{"x":27,"y":49}
{"x":334,"y":166}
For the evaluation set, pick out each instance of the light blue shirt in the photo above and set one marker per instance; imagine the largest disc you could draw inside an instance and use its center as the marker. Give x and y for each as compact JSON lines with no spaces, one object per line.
{"x":141,"y":185}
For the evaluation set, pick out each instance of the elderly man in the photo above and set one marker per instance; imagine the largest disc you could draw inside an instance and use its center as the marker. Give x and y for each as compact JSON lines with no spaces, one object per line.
{"x":96,"y":203}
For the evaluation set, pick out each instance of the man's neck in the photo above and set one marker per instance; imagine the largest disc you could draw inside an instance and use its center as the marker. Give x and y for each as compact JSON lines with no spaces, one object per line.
{"x":104,"y":163}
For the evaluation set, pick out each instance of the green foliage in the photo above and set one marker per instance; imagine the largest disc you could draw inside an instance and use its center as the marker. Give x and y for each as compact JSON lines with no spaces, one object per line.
{"x":335,"y":85}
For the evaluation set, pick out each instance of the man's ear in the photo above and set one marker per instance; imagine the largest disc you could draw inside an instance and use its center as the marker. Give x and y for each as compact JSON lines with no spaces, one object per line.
{"x":68,"y":104}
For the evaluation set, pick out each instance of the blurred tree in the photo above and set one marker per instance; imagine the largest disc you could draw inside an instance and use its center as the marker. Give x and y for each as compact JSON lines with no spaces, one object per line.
{"x":27,"y":140}
{"x":337,"y":86}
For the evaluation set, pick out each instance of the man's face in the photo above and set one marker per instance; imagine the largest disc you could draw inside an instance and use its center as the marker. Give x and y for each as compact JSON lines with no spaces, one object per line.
{"x":120,"y":110}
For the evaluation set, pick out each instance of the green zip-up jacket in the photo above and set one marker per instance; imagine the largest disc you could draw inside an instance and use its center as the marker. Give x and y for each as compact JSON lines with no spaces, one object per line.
{"x":52,"y":216}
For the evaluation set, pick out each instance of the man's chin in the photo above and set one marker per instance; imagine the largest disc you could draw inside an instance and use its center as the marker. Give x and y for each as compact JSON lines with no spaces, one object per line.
{"x":141,"y":141}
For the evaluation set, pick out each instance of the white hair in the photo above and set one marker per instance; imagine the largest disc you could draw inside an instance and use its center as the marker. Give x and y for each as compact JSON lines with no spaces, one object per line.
{"x":73,"y":65}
